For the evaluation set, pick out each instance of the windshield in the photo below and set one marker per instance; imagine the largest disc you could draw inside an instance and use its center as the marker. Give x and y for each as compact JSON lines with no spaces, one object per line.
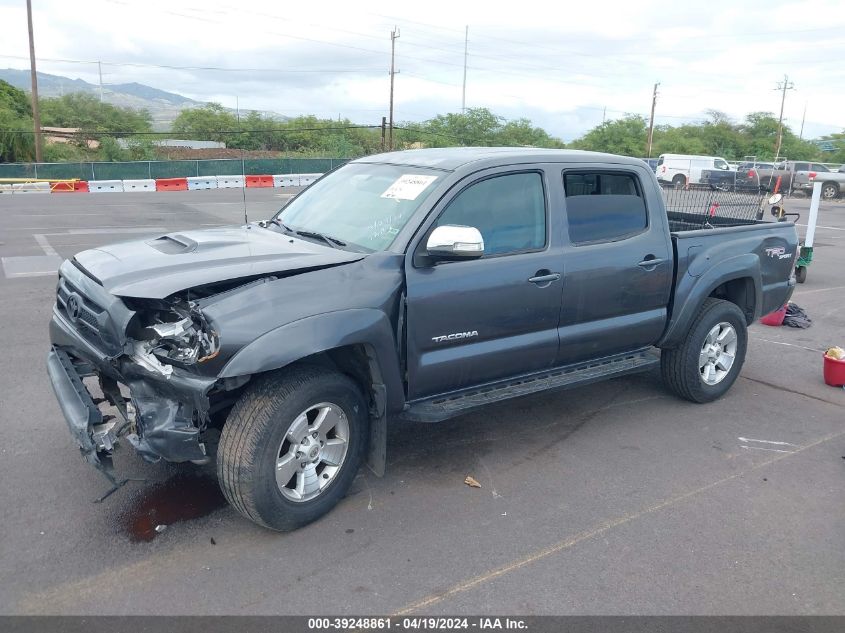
{"x":720,"y":163}
{"x":362,"y":205}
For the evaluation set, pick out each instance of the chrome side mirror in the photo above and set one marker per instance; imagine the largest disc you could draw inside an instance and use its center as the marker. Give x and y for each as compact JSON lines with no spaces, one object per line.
{"x":451,"y":242}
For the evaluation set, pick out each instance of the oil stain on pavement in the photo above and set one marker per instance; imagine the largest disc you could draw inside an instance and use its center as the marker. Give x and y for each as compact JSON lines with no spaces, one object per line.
{"x":183,"y":497}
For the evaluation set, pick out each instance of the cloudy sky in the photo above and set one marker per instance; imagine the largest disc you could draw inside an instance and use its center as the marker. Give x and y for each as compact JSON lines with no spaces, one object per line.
{"x":565,"y":65}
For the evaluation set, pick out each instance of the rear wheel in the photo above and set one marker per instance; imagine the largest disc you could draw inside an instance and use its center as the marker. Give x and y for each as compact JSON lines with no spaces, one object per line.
{"x":801,"y":274}
{"x":679,"y":180}
{"x":292,"y":446}
{"x":708,"y":362}
{"x":830,"y":190}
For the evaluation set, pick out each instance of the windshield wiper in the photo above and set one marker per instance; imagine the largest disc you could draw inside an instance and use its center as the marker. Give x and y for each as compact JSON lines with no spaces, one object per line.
{"x":280,"y":224}
{"x":331,"y":241}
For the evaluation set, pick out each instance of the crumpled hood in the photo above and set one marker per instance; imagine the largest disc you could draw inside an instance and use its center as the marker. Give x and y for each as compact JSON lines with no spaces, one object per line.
{"x":156,"y":268}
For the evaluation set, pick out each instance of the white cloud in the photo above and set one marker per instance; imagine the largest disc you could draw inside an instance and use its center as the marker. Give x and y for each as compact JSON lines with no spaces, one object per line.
{"x":560,"y":64}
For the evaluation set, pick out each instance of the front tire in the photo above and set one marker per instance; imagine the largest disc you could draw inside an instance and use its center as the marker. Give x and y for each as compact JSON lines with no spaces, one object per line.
{"x":679,"y":181}
{"x":708,"y":362}
{"x":292,"y":446}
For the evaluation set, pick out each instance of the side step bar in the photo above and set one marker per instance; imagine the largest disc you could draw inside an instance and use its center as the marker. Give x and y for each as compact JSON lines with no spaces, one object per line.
{"x":443,"y":407}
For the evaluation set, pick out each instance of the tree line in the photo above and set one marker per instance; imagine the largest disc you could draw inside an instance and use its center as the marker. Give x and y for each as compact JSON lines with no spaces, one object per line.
{"x":313,"y":136}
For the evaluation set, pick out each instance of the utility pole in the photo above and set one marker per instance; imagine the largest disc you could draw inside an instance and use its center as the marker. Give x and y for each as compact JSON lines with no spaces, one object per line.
{"x":36,"y":115}
{"x":603,"y":115}
{"x":100,"y":68}
{"x":783,"y":87}
{"x":651,"y":119}
{"x":393,"y":35}
{"x":466,"y":51}
{"x":803,"y":116}
{"x":383,"y":127}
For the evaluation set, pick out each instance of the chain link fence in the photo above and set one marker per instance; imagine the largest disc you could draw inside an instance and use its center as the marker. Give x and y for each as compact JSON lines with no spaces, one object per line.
{"x":137,"y":170}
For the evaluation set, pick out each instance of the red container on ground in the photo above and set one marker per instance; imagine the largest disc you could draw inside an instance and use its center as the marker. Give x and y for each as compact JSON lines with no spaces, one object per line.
{"x":775,"y":318}
{"x":834,"y":371}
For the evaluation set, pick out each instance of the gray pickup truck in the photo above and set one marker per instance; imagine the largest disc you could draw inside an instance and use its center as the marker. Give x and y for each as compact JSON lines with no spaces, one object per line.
{"x":415,"y":285}
{"x":794,"y":175}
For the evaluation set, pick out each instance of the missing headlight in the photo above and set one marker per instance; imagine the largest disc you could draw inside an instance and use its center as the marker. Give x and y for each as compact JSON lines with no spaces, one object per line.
{"x":180,"y":335}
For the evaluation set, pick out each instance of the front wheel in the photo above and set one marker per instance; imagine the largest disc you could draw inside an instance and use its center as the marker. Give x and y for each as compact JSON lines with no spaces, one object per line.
{"x":292,"y":445}
{"x":708,"y":362}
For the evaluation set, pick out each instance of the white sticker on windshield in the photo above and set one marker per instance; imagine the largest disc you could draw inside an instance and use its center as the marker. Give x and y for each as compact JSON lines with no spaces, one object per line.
{"x":408,"y":187}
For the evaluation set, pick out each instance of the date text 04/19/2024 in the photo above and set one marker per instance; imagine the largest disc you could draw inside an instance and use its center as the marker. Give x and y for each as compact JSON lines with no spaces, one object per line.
{"x":416,"y":623}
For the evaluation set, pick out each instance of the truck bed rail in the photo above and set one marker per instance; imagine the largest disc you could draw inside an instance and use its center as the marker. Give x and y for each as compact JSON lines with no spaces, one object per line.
{"x":692,"y":209}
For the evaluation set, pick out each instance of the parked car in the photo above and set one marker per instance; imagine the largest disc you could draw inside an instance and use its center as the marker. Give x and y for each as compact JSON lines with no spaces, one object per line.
{"x":686,"y":169}
{"x":414,"y":285}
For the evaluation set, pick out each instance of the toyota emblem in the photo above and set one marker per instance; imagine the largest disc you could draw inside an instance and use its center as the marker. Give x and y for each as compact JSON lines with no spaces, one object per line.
{"x":74,"y":307}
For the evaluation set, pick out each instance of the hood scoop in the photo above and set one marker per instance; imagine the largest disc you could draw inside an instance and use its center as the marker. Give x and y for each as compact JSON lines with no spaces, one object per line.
{"x":173,"y":244}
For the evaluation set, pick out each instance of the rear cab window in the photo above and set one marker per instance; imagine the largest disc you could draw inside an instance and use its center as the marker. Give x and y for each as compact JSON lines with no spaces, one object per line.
{"x":603,"y":206}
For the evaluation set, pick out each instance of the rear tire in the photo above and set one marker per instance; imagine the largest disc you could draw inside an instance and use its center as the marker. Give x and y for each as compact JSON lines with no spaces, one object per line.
{"x":801,"y":274}
{"x":830,"y":191}
{"x":260,"y":445}
{"x":698,"y":370}
{"x":679,"y":181}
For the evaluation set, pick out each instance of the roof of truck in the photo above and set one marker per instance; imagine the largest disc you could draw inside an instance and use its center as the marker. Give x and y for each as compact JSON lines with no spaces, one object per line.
{"x":452,"y":158}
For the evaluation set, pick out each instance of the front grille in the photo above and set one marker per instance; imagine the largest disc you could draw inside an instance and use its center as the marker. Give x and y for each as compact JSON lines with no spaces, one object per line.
{"x":88,"y":318}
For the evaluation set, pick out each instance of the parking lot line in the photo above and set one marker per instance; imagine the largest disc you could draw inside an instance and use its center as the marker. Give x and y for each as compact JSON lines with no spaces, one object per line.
{"x":597,"y":530}
{"x":801,"y":293}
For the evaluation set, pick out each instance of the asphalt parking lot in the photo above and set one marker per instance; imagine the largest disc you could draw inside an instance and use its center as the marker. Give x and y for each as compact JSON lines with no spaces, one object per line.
{"x":616,"y":498}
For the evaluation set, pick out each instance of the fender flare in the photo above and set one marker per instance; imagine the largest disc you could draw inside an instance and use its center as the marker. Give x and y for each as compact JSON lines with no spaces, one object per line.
{"x":746,"y":266}
{"x":322,"y":332}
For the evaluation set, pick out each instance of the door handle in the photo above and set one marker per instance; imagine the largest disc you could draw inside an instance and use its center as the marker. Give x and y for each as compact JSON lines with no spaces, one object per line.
{"x":650,"y":262}
{"x":544,"y":277}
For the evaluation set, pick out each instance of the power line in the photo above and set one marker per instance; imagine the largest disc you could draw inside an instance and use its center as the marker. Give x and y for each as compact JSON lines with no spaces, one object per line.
{"x":209,"y":68}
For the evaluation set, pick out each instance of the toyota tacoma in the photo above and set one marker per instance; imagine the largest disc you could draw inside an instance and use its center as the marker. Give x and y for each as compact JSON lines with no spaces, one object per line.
{"x":415,"y":285}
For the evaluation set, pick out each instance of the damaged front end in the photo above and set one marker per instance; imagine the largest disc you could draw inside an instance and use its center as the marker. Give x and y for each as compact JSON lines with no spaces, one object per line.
{"x":145,"y":356}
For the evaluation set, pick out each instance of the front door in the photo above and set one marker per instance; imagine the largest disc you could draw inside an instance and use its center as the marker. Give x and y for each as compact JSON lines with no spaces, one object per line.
{"x":472,"y":322}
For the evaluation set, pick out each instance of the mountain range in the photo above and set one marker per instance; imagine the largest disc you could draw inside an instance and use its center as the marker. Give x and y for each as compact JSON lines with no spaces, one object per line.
{"x":162,"y":105}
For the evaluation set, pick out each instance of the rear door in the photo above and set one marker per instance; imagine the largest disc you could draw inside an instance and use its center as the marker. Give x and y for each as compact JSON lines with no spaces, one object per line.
{"x":618,"y":263}
{"x":476,"y":321}
{"x":800,"y":174}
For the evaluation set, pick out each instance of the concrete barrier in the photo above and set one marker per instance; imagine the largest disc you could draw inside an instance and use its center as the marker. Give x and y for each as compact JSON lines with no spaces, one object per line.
{"x":285,"y":180}
{"x":30,"y":187}
{"x":230,"y":182}
{"x":203,"y":182}
{"x":105,"y":186}
{"x":139,"y":185}
{"x":69,"y":186}
{"x":171,"y":184}
{"x":259,"y":181}
{"x":307,"y":179}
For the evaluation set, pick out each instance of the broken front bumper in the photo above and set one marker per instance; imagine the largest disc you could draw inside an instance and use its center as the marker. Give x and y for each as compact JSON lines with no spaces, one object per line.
{"x":167,"y":412}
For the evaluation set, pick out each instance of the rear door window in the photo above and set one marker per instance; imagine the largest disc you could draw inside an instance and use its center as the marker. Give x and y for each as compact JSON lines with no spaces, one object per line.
{"x":603,"y":206}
